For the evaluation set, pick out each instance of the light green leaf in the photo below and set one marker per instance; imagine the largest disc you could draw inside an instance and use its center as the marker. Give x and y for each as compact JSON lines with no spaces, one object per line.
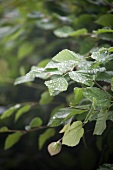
{"x":105,"y":76}
{"x":61,"y":67}
{"x":103,"y":98}
{"x":101,"y":122}
{"x":82,"y":77}
{"x":45,"y":98}
{"x":66,"y":55}
{"x":45,"y":136}
{"x":54,"y":148}
{"x":63,"y":32}
{"x":10,"y":111}
{"x":24,"y":50}
{"x":79,"y":32}
{"x":3,"y":129}
{"x":73,"y":134}
{"x":66,"y":126}
{"x":21,"y":111}
{"x":103,"y":30}
{"x":102,"y":57}
{"x":24,"y":79}
{"x":36,"y":122}
{"x":105,"y":20}
{"x":78,"y":96}
{"x":12,"y":139}
{"x":112,"y":84}
{"x":57,"y":85}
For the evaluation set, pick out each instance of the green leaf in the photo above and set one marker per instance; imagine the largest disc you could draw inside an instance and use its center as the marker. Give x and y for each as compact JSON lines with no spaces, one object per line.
{"x":102,"y":57}
{"x":21,"y":111}
{"x":105,"y":76}
{"x":73,"y":134}
{"x":62,"y":115}
{"x":54,"y":148}
{"x":63,"y":32}
{"x":91,"y":111}
{"x":67,"y":31}
{"x":45,"y":98}
{"x":36,"y":122}
{"x":45,"y":136}
{"x":24,"y":50}
{"x":61,"y":67}
{"x":82,"y":77}
{"x":103,"y":98}
{"x":24,"y":79}
{"x":106,"y":167}
{"x":10,"y":111}
{"x":103,"y":30}
{"x":66,"y":55}
{"x":3,"y":70}
{"x":101,"y":122}
{"x":57,"y":85}
{"x":59,"y":116}
{"x":3,"y":129}
{"x":105,"y":20}
{"x":112,"y":84}
{"x":12,"y":139}
{"x":79,"y":32}
{"x":78,"y":96}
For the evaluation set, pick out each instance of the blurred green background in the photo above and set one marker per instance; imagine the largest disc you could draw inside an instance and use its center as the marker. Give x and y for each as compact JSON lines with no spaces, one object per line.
{"x":31,"y":33}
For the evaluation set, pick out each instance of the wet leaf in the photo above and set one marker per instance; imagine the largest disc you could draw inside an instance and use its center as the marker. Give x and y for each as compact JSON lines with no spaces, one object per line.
{"x":57,"y":85}
{"x":103,"y":98}
{"x":101,"y":122}
{"x":82,"y":77}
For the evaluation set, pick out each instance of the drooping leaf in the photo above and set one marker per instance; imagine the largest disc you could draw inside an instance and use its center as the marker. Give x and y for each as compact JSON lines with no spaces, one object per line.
{"x":57,"y":85}
{"x":21,"y":111}
{"x":101,"y":122}
{"x":12,"y":139}
{"x":103,"y":98}
{"x":45,"y":136}
{"x":10,"y":111}
{"x":54,"y":148}
{"x":66,"y":55}
{"x":82,"y":77}
{"x":3,"y":129}
{"x":73,"y":134}
{"x":45,"y":98}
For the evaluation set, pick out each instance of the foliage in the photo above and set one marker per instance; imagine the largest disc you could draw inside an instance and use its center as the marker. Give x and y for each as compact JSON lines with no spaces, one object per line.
{"x":56,"y":73}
